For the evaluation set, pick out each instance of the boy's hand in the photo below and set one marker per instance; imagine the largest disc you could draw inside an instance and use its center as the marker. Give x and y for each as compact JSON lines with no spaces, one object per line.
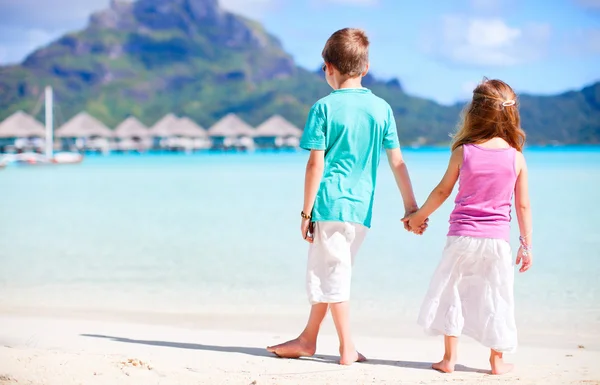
{"x":408,"y":213}
{"x":307,"y":229}
{"x":415,"y":224}
{"x":524,"y":260}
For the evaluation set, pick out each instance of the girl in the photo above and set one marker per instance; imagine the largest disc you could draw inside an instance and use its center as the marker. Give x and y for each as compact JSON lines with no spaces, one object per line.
{"x":471,"y":291}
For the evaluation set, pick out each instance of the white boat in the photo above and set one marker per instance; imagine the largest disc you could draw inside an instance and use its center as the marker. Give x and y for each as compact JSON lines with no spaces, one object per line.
{"x":60,"y":157}
{"x":32,"y":158}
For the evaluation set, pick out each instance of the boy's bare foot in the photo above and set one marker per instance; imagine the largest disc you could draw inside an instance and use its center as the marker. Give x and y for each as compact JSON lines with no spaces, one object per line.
{"x":500,"y":367}
{"x":444,"y":366}
{"x":350,"y":356}
{"x":293,"y":349}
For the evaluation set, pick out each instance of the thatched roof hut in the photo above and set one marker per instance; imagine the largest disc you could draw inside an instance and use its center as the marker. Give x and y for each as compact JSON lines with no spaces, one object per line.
{"x":277,"y":126}
{"x":131,"y":128}
{"x":164,"y":127}
{"x":83,"y":125}
{"x":231,"y":126}
{"x":187,"y":128}
{"x":21,"y":125}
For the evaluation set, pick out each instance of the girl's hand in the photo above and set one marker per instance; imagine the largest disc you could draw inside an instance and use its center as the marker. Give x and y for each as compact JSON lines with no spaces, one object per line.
{"x":524,"y":260}
{"x":415,"y":224}
{"x":307,"y":230}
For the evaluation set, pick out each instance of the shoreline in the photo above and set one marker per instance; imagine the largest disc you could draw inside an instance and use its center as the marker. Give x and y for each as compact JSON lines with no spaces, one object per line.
{"x":37,"y":350}
{"x":285,"y":322}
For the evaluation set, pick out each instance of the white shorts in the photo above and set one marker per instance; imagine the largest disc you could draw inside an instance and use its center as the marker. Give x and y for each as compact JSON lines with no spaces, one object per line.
{"x":471,"y":293}
{"x":330,"y":260}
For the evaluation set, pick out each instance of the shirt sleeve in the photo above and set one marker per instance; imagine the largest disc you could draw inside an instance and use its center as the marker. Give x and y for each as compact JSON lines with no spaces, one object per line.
{"x":390,"y":139}
{"x":313,"y":137}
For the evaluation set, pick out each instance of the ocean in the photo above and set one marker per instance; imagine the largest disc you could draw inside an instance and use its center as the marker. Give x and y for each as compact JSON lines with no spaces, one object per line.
{"x":213,"y":239}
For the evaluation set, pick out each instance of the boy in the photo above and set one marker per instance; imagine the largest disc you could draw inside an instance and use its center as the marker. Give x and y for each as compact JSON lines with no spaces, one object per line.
{"x":345,"y":132}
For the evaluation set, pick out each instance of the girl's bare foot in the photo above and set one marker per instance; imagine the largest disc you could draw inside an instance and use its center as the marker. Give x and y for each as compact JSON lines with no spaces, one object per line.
{"x":444,"y":366}
{"x":498,"y":364}
{"x":350,"y":356}
{"x":500,"y":367}
{"x":294,"y":349}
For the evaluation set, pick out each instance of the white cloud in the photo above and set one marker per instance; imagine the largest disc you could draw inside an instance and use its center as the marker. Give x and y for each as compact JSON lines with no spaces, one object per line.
{"x":467,"y":89}
{"x":47,"y":14}
{"x":14,"y":51}
{"x":485,"y":42}
{"x":354,"y":2}
{"x":249,"y":8}
{"x":487,"y":6}
{"x":582,"y":42}
{"x":592,"y":4}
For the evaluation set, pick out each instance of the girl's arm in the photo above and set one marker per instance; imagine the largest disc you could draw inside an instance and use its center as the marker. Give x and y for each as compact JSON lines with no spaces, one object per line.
{"x":312,"y":181}
{"x":440,"y":193}
{"x":523,"y":209}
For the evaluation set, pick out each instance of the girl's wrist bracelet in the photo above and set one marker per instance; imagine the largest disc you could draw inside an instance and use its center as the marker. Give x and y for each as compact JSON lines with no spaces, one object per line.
{"x":305,"y":216}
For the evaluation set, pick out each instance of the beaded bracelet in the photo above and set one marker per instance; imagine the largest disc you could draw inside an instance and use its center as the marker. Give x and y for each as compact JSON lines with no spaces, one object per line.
{"x":524,"y":246}
{"x":305,"y":216}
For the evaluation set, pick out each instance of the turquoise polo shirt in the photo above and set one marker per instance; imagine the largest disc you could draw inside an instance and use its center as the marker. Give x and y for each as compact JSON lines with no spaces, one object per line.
{"x":351,"y":125}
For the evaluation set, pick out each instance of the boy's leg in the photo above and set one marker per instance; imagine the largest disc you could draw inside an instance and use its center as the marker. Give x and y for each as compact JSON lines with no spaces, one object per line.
{"x":498,"y":364}
{"x":341,"y":318}
{"x":306,"y":344}
{"x":340,"y":311}
{"x":450,"y":355}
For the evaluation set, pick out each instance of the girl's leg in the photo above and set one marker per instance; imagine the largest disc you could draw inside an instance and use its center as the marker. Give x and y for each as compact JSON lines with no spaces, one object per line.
{"x":341,"y":318}
{"x":450,"y":355}
{"x":498,"y":364}
{"x":306,"y":344}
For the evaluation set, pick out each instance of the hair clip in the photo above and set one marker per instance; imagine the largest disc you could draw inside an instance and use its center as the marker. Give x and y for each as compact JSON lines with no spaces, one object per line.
{"x":509,"y":103}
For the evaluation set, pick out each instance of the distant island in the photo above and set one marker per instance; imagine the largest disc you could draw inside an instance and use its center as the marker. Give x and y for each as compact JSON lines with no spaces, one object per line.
{"x":192,"y":58}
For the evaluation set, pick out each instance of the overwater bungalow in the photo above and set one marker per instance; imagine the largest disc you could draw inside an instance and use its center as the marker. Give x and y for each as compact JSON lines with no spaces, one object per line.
{"x":232,"y":132}
{"x":190,"y":135}
{"x":163,"y":130}
{"x":132,"y":135}
{"x":84,"y":132}
{"x":277,"y":132}
{"x":175,"y":133}
{"x":21,"y":132}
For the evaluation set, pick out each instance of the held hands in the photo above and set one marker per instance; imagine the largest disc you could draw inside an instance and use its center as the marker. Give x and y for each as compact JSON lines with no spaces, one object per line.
{"x":414,"y":223}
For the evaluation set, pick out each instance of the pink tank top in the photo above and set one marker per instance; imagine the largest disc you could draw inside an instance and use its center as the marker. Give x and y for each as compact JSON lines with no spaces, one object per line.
{"x":486,"y":186}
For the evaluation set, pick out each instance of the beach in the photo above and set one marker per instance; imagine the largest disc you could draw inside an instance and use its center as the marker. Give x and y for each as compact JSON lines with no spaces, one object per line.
{"x":194,"y":264}
{"x":37,"y":350}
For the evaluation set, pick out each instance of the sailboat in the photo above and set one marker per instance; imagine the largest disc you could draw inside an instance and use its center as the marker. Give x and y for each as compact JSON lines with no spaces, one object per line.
{"x":49,"y":157}
{"x":59,"y":157}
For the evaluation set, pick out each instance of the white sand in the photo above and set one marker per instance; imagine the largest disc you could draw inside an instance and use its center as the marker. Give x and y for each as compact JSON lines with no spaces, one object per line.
{"x":37,"y":350}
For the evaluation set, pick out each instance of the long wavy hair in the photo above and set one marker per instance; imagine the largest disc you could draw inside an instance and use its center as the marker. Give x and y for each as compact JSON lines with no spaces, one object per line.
{"x":493,"y":113}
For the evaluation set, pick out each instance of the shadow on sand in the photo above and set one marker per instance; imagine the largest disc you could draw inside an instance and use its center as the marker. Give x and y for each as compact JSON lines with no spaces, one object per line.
{"x":262,"y":352}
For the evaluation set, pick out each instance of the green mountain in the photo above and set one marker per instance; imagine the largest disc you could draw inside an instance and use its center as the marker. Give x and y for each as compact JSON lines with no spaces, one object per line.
{"x":191,"y":57}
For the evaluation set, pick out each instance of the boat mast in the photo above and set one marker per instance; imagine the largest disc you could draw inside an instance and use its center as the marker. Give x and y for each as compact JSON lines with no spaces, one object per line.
{"x":49,"y":125}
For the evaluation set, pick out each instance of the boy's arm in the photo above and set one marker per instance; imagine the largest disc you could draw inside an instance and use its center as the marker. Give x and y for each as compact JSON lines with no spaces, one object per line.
{"x":400,"y":171}
{"x":523,"y":209}
{"x":312,"y":179}
{"x":441,"y":192}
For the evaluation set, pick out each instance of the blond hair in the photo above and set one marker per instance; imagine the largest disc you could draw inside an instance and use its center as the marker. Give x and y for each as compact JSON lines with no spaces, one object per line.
{"x":348,"y":51}
{"x":492,"y":113}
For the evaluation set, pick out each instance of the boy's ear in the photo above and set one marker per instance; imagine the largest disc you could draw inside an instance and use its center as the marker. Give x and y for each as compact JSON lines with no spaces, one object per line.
{"x":366,"y":71}
{"x":330,"y":69}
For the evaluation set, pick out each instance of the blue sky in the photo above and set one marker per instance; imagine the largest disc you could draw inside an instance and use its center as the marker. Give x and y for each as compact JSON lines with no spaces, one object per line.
{"x":438,"y":49}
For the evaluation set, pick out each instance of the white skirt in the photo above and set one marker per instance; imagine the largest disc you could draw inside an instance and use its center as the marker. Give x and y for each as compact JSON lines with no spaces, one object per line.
{"x":471,"y":293}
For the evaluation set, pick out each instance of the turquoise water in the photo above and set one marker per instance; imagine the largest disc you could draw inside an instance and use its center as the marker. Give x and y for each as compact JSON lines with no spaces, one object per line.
{"x":219,"y":234}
